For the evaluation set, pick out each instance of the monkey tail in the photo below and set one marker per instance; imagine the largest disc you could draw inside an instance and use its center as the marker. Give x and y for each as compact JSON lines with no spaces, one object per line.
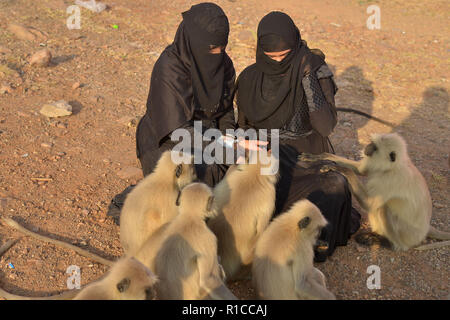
{"x":67,"y":295}
{"x":361,"y":113}
{"x":437,"y":234}
{"x":434,"y":245}
{"x":85,"y":253}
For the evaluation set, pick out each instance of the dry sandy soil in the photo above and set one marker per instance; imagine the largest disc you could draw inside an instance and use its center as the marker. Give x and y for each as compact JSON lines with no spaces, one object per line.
{"x":399,"y":73}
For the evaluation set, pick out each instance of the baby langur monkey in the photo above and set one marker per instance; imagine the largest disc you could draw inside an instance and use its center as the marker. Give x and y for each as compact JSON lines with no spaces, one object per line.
{"x":245,"y":201}
{"x":283,"y":265}
{"x":152,"y":202}
{"x":186,"y":262}
{"x":128,"y":279}
{"x":396,"y":195}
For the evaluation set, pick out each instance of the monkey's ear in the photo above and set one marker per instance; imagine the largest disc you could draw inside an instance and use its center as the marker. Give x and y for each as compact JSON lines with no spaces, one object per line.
{"x":209,"y":206}
{"x":392,"y":155}
{"x":302,"y":224}
{"x":178,"y":170}
{"x":177,"y":202}
{"x":123,"y":285}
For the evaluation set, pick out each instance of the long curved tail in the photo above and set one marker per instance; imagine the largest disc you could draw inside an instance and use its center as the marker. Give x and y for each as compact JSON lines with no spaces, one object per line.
{"x":361,"y":113}
{"x":437,"y":234}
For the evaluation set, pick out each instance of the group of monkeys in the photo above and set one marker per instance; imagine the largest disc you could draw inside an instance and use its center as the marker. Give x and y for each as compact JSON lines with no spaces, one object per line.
{"x":184,"y":240}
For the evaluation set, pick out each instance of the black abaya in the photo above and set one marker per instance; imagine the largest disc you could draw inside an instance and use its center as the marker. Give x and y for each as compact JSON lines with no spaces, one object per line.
{"x":300,"y":103}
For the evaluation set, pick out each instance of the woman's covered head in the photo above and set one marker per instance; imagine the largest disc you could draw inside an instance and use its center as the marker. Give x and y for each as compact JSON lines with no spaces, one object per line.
{"x":207,"y":26}
{"x":277,"y":35}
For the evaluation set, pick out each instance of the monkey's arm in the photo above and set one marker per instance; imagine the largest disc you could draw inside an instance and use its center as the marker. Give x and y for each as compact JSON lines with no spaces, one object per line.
{"x":307,"y":286}
{"x":356,"y":187}
{"x":344,"y":162}
{"x":318,"y":276}
{"x":210,"y":282}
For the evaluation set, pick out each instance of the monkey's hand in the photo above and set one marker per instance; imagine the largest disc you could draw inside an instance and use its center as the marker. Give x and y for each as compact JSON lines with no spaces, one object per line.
{"x":327,"y":168}
{"x":312,"y":157}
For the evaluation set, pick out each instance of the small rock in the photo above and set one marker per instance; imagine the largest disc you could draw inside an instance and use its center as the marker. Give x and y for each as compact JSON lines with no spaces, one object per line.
{"x":130,"y":173}
{"x":26,"y":33}
{"x":6,"y":89}
{"x":76,"y":85}
{"x":438,"y":205}
{"x":57,"y":109}
{"x":4,"y":50}
{"x":96,"y":7}
{"x":21,"y":32}
{"x":41,"y":58}
{"x":46,"y":144}
{"x":128,"y":121}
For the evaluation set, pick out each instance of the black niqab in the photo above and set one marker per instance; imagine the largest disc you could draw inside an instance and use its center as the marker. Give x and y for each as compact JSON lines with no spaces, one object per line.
{"x":269,"y":91}
{"x":186,"y":77}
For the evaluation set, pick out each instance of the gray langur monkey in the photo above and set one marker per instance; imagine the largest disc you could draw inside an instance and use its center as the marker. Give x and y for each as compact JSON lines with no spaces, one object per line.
{"x":183,"y":253}
{"x":283,"y":264}
{"x":396,"y":194}
{"x":245,"y":202}
{"x":151,"y":203}
{"x":128,"y":279}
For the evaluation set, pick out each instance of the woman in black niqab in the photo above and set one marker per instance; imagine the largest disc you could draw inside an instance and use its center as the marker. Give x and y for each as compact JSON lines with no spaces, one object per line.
{"x":188,"y":83}
{"x":296,"y":96}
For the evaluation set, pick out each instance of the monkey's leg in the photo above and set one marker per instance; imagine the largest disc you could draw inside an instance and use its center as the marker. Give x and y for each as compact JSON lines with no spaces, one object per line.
{"x":356,"y":187}
{"x":318,"y":276}
{"x":210,"y":283}
{"x":344,"y":162}
{"x":312,"y":289}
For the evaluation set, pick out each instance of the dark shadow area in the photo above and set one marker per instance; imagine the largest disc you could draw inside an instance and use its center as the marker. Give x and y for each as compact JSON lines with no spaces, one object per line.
{"x":76,"y":107}
{"x":62,"y":59}
{"x":429,"y":115}
{"x":356,"y":92}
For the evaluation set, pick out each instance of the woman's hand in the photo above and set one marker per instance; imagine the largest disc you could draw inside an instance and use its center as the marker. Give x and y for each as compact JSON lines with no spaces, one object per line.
{"x":249,"y":145}
{"x":252,"y":145}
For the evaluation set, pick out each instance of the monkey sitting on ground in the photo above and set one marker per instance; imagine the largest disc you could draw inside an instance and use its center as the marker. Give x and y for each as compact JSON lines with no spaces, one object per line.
{"x":245,"y":201}
{"x":183,"y":253}
{"x":152,"y":202}
{"x":396,"y":195}
{"x":128,"y":279}
{"x":283,"y":264}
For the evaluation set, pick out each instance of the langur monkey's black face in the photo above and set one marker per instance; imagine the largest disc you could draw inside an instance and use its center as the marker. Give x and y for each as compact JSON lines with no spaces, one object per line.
{"x":184,"y":174}
{"x":384,"y":153}
{"x":129,"y":290}
{"x":370,"y":149}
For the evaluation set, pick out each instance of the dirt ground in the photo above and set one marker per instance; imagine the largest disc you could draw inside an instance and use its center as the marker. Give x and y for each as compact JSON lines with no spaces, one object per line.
{"x":399,"y":73}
